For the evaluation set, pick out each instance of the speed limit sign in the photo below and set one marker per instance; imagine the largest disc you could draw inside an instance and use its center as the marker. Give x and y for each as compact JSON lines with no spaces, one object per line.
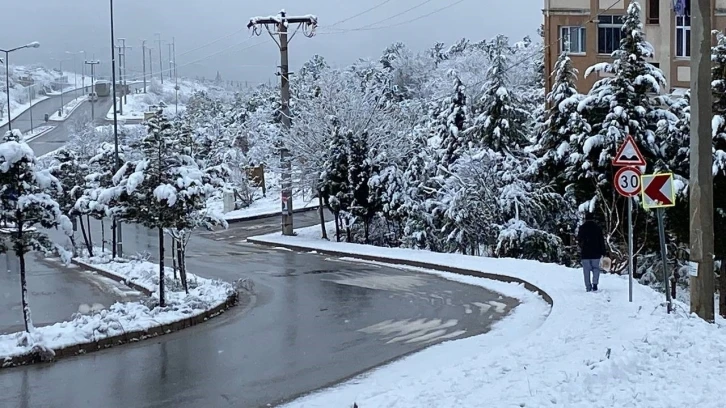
{"x":627,"y":181}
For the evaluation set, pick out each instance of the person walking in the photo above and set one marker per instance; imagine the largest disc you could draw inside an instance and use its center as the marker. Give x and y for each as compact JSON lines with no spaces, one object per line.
{"x":592,"y":248}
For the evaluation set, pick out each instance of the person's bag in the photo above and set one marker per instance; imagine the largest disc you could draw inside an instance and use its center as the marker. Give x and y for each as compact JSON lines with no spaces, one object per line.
{"x":606,"y":263}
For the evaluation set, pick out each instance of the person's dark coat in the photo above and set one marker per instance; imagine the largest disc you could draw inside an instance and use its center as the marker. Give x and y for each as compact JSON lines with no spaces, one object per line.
{"x":591,"y":241}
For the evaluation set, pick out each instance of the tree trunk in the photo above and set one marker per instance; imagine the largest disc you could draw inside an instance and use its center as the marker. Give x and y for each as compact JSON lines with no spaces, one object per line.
{"x":24,"y":291}
{"x":321,"y":213}
{"x":88,"y":225}
{"x":103,"y":237}
{"x":23,"y":282}
{"x":161,"y":267}
{"x":174,"y":256}
{"x":337,"y":226}
{"x":182,"y":255}
{"x":722,"y":288}
{"x":85,"y":237}
{"x":113,"y":238}
{"x":366,"y":228}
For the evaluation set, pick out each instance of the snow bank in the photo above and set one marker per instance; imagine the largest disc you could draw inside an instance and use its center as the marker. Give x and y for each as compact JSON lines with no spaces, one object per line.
{"x":138,"y":103}
{"x":68,"y":109}
{"x":121,"y":318}
{"x":593,"y":350}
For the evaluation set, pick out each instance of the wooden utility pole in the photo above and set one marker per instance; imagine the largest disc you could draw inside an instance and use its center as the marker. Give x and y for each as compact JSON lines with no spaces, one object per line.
{"x":701,"y":182}
{"x":143,"y":61}
{"x":279,"y":34}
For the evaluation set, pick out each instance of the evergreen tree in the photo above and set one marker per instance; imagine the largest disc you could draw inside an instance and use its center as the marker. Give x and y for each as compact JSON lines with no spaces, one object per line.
{"x":334,"y":177}
{"x":617,"y":106}
{"x":72,"y":175}
{"x":452,"y":121}
{"x":25,"y":204}
{"x":500,"y":124}
{"x":563,"y":122}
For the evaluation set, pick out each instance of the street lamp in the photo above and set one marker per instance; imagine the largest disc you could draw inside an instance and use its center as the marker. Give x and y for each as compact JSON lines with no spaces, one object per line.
{"x":62,"y":105}
{"x":117,"y":230}
{"x":34,"y":44}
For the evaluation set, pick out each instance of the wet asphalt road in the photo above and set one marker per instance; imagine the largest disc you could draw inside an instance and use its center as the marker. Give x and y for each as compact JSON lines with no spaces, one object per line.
{"x":313,"y":321}
{"x":54,"y":293}
{"x":49,"y":106}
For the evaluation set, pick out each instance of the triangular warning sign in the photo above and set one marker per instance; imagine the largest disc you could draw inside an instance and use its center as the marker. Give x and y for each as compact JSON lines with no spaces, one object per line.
{"x":628,"y":154}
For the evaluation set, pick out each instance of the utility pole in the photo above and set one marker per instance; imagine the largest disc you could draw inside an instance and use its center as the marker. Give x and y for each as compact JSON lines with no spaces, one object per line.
{"x":93,"y":91}
{"x":701,"y":183}
{"x":279,"y":27}
{"x":171,"y":73}
{"x":151,"y":64}
{"x":161,"y":59}
{"x":176,"y":78}
{"x":122,"y":70}
{"x":143,"y":59}
{"x":116,"y":226}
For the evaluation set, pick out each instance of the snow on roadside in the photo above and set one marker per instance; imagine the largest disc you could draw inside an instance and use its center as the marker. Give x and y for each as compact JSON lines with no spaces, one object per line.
{"x":263,"y":206}
{"x":593,"y":350}
{"x":68,"y":109}
{"x":204,"y":295}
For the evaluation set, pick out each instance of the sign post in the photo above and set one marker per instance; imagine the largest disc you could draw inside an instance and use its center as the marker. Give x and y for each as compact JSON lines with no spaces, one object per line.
{"x":628,"y":184}
{"x":658,"y":193}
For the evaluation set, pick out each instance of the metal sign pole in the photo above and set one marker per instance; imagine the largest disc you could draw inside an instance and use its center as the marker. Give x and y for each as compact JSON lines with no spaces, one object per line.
{"x":661,"y":233}
{"x":630,"y":249}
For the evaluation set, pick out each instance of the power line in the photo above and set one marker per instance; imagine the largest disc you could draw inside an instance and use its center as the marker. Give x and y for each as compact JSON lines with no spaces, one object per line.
{"x":213,"y":41}
{"x":369,"y":28}
{"x":361,"y":13}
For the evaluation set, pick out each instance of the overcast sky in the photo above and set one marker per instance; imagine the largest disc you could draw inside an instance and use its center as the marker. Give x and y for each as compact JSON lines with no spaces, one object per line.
{"x":74,"y":25}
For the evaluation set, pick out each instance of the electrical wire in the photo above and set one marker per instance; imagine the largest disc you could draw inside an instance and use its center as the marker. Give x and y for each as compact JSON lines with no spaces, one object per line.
{"x":361,"y":13}
{"x":213,"y":42}
{"x":369,"y":28}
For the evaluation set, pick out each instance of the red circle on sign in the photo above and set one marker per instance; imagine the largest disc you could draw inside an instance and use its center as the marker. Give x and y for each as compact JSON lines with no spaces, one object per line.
{"x":627,"y":181}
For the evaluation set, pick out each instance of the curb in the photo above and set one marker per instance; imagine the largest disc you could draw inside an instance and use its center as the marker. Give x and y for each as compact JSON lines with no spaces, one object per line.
{"x":36,"y":136}
{"x":41,"y":356}
{"x":416,"y":264}
{"x":269,"y":215}
{"x":70,"y":113}
{"x":111,"y":276}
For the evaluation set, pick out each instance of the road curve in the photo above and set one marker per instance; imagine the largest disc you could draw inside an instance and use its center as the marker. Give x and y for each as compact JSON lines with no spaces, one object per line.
{"x":314,"y":321}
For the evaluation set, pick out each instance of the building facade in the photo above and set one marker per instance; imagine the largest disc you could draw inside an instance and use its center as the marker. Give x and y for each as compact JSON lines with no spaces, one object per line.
{"x":590,"y":30}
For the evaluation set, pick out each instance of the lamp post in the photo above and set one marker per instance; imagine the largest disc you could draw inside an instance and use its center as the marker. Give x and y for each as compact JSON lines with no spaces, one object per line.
{"x":34,"y":44}
{"x":117,"y":251}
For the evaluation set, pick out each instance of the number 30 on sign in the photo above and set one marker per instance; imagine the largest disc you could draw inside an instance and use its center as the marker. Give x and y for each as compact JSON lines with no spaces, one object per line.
{"x":627,"y":181}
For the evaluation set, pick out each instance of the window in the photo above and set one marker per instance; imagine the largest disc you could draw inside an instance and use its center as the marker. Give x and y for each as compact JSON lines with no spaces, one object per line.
{"x":655,"y":64}
{"x":609,"y":33}
{"x":683,"y":36}
{"x":653,"y":11}
{"x":572,"y":40}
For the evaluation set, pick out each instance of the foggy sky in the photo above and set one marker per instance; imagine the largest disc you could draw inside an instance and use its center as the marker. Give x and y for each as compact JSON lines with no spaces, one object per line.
{"x":74,"y":25}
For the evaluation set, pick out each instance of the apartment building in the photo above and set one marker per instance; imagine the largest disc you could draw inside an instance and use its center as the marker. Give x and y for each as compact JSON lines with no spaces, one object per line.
{"x":590,"y":30}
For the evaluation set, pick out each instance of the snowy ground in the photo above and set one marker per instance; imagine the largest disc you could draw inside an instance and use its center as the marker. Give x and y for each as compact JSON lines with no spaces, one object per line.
{"x":263,"y":206}
{"x":204,"y":294}
{"x":592,"y":350}
{"x":138,"y":103}
{"x":68,"y":109}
